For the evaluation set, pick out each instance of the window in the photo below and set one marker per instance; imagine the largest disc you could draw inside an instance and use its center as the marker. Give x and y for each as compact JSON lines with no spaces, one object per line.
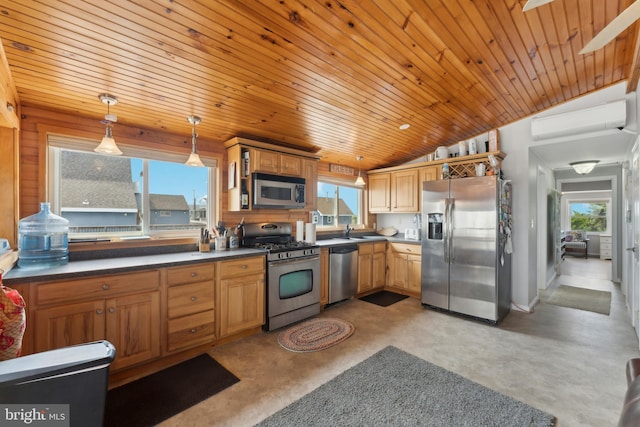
{"x":592,"y":216}
{"x":128,"y":196}
{"x":338,"y":205}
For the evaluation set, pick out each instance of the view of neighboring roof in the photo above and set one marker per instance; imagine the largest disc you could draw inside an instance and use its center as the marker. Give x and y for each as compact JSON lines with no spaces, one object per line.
{"x":93,"y":181}
{"x":167,"y":202}
{"x":326,"y":206}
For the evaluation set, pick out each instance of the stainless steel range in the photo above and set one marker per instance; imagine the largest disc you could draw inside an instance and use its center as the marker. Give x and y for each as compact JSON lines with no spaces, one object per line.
{"x":293,"y":273}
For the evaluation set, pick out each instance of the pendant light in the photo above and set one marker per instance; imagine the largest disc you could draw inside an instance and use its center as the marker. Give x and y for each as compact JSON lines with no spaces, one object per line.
{"x":360,"y":179}
{"x":194,"y":158}
{"x":584,"y":167}
{"x":108,"y":144}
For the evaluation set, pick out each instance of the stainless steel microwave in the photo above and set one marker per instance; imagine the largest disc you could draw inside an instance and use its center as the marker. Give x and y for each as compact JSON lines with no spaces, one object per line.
{"x":277,"y":191}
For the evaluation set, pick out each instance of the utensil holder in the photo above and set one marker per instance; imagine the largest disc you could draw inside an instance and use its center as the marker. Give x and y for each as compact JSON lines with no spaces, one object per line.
{"x":221,"y":243}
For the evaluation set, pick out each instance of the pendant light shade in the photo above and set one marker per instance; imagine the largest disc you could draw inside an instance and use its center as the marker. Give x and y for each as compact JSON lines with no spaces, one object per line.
{"x":194,"y":158}
{"x":584,"y":167}
{"x":360,"y":180}
{"x":108,"y":144}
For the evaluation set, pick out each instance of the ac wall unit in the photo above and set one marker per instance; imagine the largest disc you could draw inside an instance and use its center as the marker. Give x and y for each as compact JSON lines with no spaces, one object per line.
{"x":608,"y":116}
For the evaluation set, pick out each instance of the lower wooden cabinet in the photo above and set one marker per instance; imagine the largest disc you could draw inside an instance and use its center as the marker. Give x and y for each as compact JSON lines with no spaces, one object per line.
{"x":405,"y":268}
{"x":324,"y":276}
{"x":241,"y":295}
{"x":190,"y":306}
{"x":371,"y":266}
{"x":82,"y":310}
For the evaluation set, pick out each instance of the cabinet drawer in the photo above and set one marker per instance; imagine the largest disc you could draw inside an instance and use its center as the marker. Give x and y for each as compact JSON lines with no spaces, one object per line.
{"x":190,"y":274}
{"x":605,"y":247}
{"x":189,"y":299}
{"x":379,"y":246}
{"x":191,"y":330}
{"x":97,"y":287}
{"x":365,"y":248}
{"x":406,"y":248}
{"x":241,"y":267}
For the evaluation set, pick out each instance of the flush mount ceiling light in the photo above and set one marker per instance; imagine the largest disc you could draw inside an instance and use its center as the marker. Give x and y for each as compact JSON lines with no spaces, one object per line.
{"x":360,"y":179}
{"x":108,"y":144}
{"x":404,"y":126}
{"x":584,"y":167}
{"x":194,"y":158}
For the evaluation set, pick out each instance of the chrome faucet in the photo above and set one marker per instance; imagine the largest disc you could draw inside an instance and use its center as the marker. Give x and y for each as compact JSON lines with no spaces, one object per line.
{"x":347,"y":231}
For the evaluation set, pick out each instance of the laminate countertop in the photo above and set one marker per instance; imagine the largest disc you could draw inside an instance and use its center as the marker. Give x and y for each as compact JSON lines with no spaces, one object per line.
{"x":75,"y":269}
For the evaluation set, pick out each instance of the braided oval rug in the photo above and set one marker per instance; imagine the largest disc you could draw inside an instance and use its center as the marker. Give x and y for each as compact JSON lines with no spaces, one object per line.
{"x":315,"y":334}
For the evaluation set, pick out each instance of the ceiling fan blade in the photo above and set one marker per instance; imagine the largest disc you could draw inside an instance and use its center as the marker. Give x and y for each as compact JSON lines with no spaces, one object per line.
{"x":615,"y":27}
{"x":531,"y":4}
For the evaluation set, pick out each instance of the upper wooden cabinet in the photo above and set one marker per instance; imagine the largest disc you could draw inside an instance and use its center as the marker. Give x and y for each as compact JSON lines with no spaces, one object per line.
{"x":246,"y":156}
{"x":380,"y":193}
{"x":394,"y":192}
{"x":399,"y":189}
{"x":405,"y":191}
{"x":278,"y":163}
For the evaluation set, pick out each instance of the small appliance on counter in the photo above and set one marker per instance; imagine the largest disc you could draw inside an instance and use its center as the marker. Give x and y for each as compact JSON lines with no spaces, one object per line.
{"x":412,"y":234}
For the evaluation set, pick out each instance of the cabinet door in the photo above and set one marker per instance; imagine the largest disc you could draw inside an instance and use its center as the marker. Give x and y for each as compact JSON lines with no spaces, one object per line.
{"x":242,"y":303}
{"x":69,"y":324}
{"x":397,"y":269}
{"x":404,"y":191}
{"x":379,"y":270}
{"x":379,"y":192}
{"x":324,"y":276}
{"x":267,"y":161}
{"x":364,"y":271}
{"x":310,"y":174}
{"x":132,"y":326}
{"x":290,"y":165}
{"x":415,"y":274}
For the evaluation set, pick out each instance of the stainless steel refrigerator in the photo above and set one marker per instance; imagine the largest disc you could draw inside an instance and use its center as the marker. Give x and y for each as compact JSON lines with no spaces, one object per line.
{"x":466,"y":246}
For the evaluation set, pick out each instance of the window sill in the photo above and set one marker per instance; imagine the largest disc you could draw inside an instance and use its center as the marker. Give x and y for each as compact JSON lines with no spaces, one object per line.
{"x":86,"y":250}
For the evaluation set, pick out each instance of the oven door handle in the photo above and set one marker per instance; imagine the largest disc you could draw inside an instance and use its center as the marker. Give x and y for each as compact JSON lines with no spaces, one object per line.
{"x":294,"y":261}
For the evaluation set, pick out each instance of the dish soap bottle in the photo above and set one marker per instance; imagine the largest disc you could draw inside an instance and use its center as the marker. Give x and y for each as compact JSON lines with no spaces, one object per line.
{"x":43,"y":239}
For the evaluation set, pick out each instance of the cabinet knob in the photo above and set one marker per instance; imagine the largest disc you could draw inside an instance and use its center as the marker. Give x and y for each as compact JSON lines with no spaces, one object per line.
{"x":194,"y":298}
{"x":194,"y":274}
{"x":99,"y":311}
{"x":244,"y":266}
{"x":105,"y":286}
{"x":194,"y":330}
{"x":112,"y":309}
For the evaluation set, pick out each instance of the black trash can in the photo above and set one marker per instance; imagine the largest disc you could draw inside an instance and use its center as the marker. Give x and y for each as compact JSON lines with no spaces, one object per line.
{"x":66,"y":386}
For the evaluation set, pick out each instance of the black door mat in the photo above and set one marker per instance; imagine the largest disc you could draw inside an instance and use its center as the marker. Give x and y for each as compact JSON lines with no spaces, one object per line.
{"x":152,"y":399}
{"x":383,"y":298}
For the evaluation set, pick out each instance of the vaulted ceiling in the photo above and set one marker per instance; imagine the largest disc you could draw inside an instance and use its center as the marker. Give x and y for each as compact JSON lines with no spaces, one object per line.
{"x":334,"y":77}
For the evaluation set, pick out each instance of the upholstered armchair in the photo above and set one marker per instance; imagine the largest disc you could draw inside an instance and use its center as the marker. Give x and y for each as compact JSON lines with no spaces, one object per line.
{"x":576,"y":243}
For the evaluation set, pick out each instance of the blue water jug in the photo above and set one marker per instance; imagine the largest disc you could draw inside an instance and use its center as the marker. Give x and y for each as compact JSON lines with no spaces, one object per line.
{"x":43,"y":239}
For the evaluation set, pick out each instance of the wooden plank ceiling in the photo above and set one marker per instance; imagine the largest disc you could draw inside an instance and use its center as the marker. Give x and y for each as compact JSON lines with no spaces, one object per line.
{"x":333,"y":77}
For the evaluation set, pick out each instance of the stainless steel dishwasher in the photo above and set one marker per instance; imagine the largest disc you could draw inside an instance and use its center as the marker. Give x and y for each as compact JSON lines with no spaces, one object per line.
{"x":343,"y":272}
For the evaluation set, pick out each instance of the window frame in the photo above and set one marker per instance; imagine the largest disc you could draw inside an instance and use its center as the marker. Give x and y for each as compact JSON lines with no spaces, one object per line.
{"x":605,"y":200}
{"x":343,"y":183}
{"x":55,"y":142}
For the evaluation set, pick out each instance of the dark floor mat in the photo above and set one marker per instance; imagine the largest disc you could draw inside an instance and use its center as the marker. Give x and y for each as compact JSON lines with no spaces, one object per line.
{"x":384,"y":298}
{"x":153,"y":399}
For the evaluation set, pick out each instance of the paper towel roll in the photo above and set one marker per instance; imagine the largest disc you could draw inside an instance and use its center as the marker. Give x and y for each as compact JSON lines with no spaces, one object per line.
{"x":310,"y":232}
{"x":299,"y":231}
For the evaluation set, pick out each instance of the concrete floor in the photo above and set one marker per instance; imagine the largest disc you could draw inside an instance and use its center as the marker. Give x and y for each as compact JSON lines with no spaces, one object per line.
{"x":567,"y":362}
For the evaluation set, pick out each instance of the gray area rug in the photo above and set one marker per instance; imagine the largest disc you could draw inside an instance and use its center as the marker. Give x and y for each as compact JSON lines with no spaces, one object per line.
{"x":394,"y":388}
{"x":582,"y":299}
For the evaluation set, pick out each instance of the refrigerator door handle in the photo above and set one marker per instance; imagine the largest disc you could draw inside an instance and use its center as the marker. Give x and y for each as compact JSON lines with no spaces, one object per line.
{"x":452,"y":255}
{"x":445,"y":230}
